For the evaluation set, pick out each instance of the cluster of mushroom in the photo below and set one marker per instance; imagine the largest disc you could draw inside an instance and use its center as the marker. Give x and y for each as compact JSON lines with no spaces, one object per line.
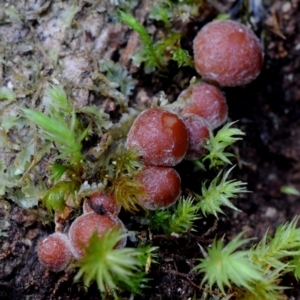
{"x":164,"y":138}
{"x":226,"y":53}
{"x":100,"y":214}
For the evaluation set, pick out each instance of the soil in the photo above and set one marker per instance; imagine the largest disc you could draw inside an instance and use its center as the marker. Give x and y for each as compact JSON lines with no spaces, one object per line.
{"x":268,"y":111}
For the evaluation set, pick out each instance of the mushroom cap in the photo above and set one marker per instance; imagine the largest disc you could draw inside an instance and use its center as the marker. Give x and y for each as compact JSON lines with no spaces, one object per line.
{"x":160,"y":136}
{"x":208,"y":102}
{"x":162,"y":186}
{"x":54,"y":252}
{"x":85,"y":225}
{"x":198,"y":129}
{"x":227,"y":53}
{"x":105,"y":199}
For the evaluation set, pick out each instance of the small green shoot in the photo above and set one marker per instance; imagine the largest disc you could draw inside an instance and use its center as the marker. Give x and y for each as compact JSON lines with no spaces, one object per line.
{"x":296,"y":262}
{"x":56,"y":171}
{"x":217,"y":144}
{"x":182,"y":57}
{"x":254,"y":273}
{"x":267,"y":289}
{"x":272,"y":252}
{"x":65,"y":134}
{"x":126,"y":191}
{"x":225,"y":266}
{"x":110,"y":267}
{"x":116,"y":169}
{"x":57,"y":196}
{"x":177,"y":219}
{"x":149,"y":55}
{"x":289,"y":190}
{"x":126,"y":161}
{"x":60,"y":124}
{"x":157,"y":55}
{"x":56,"y":99}
{"x":218,"y":193}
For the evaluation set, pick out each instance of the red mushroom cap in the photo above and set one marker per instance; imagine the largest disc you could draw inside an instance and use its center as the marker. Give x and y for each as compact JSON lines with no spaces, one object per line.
{"x":105,"y":199}
{"x":228,"y":53}
{"x":162,"y":186}
{"x":208,"y":102}
{"x":54,"y":252}
{"x":198,"y":132}
{"x":85,"y":225}
{"x":160,"y":136}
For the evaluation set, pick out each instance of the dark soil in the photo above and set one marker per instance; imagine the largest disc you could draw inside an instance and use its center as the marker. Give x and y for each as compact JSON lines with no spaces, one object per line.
{"x":267,"y":158}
